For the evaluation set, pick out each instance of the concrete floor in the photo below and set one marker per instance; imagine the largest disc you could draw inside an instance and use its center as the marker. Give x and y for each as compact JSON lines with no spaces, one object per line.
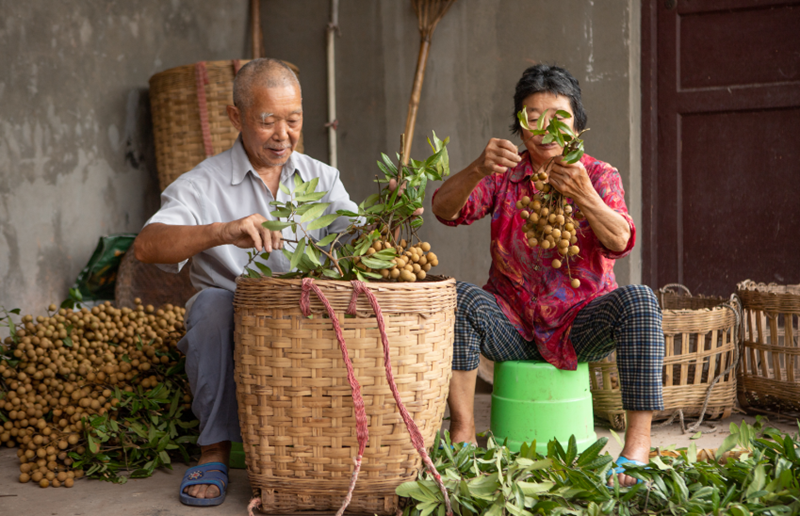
{"x":158,"y":495}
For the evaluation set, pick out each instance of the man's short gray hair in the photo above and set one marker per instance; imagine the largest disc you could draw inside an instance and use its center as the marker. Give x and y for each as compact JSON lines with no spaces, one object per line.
{"x":265,"y":72}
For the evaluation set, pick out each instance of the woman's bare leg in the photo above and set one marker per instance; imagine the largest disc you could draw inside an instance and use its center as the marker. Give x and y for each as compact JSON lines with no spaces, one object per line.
{"x":637,"y":442}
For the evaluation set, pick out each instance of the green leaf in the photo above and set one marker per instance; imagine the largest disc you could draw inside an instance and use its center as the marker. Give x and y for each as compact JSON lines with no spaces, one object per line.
{"x":563,"y":114}
{"x":331,"y":274}
{"x":297,"y":254}
{"x":298,"y":181}
{"x":346,"y":213}
{"x":284,"y":189}
{"x":275,"y":225}
{"x":591,"y":453}
{"x":534,"y":488}
{"x":727,"y":445}
{"x":573,"y":157}
{"x":315,"y":211}
{"x":374,"y":263}
{"x":312,"y":185}
{"x":391,"y":166}
{"x":311,"y":252}
{"x":314,"y":196}
{"x":572,"y":450}
{"x":322,"y":222}
{"x":540,"y":121}
{"x":522,"y":116}
{"x":327,"y":240}
{"x":266,"y":271}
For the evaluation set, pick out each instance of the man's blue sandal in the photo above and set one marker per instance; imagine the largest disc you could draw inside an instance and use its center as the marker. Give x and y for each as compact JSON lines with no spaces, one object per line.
{"x":621,"y":462}
{"x":212,"y":473}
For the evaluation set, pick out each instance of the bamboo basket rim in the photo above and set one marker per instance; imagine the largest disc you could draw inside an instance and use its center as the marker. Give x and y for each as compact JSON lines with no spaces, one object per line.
{"x":769,"y":288}
{"x":376,"y":285}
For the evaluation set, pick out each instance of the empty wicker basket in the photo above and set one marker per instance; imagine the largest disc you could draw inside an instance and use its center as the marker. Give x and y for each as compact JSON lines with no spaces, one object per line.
{"x":295,"y":404}
{"x":190,"y":121}
{"x":769,"y":370}
{"x":700,"y":346}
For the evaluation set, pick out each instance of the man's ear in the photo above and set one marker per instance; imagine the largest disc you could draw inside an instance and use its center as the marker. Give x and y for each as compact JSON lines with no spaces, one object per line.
{"x":235,"y":117}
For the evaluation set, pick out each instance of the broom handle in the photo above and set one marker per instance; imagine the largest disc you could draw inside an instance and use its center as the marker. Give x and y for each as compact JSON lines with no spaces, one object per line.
{"x":413,"y":103}
{"x":255,"y":28}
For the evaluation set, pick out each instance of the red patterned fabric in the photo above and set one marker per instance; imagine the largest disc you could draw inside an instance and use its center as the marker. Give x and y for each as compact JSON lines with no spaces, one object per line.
{"x":536,"y":298}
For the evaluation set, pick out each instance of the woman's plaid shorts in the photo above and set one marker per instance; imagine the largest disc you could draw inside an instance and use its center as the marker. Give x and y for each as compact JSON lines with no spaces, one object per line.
{"x":627,"y":320}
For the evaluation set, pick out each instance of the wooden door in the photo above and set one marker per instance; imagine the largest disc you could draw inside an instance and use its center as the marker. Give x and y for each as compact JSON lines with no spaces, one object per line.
{"x":721,"y":143}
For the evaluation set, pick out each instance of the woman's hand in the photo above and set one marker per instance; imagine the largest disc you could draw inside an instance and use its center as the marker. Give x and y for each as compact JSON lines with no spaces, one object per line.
{"x":572,"y":181}
{"x":498,"y":156}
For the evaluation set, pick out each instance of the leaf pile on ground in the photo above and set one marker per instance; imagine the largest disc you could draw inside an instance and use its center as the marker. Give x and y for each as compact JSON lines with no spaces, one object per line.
{"x":755,"y":471}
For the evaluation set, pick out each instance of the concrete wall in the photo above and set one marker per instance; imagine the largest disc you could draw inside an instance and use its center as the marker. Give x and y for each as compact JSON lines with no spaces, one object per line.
{"x":479,"y":52}
{"x":76,"y":151}
{"x":76,"y":156}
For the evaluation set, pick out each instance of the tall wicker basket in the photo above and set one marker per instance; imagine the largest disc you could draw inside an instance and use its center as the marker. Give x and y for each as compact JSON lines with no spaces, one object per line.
{"x":295,"y":405}
{"x":190,"y":121}
{"x":769,"y":371}
{"x":700,"y":335}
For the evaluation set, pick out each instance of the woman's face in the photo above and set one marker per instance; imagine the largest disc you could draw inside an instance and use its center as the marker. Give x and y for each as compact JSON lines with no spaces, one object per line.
{"x":537,"y":104}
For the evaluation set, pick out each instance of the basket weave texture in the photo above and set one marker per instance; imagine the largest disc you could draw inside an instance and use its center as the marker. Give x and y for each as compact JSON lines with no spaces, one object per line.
{"x":769,"y":370}
{"x":700,"y":344}
{"x":150,"y":284}
{"x":186,"y":102}
{"x":295,"y":405}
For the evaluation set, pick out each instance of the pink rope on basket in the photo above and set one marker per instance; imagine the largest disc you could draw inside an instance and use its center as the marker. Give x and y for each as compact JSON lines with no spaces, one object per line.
{"x":362,"y":431}
{"x":416,"y":437}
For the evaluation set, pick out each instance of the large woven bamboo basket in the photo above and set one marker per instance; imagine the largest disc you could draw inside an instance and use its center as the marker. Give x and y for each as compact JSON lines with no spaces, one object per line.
{"x":151,"y":285}
{"x":295,"y":404}
{"x":769,"y":370}
{"x":190,"y":121}
{"x":700,"y":338}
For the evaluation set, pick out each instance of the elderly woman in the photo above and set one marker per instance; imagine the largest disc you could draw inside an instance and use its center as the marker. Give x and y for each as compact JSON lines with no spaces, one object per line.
{"x":528,"y":310}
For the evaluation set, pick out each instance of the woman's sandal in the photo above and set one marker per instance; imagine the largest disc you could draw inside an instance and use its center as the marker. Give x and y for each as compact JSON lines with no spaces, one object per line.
{"x":620,"y":468}
{"x":212,"y":473}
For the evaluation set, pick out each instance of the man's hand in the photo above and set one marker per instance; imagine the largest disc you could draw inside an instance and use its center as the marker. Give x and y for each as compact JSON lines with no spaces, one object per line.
{"x":248,"y":232}
{"x":498,"y":156}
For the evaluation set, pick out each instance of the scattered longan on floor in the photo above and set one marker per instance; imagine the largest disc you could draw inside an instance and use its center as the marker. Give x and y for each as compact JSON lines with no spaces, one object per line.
{"x":69,"y":362}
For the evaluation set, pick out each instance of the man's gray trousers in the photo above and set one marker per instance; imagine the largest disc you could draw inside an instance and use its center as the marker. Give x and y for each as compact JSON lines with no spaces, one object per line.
{"x":208,"y":346}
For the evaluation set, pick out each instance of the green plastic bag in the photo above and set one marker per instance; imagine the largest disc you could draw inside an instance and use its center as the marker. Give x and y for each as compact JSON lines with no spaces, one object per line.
{"x":97,"y":280}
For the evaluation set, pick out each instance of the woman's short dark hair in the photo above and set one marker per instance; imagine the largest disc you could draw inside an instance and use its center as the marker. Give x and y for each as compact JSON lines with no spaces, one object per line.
{"x":542,"y":78}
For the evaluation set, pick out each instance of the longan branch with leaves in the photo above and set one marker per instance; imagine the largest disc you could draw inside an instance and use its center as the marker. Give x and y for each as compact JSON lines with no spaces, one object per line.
{"x":550,"y":217}
{"x":381,"y":240}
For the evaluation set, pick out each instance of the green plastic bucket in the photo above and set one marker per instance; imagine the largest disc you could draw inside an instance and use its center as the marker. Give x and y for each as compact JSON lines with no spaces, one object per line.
{"x":535,"y":401}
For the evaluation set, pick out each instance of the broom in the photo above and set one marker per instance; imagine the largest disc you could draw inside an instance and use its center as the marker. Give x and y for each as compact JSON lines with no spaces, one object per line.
{"x":429,"y":13}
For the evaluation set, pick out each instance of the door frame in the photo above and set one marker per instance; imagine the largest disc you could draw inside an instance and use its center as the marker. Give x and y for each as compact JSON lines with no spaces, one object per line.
{"x":649,"y":71}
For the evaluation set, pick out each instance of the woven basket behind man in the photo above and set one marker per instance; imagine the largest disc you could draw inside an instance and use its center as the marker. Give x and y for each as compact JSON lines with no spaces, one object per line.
{"x":769,"y":370}
{"x":190,"y":121}
{"x":295,"y":405}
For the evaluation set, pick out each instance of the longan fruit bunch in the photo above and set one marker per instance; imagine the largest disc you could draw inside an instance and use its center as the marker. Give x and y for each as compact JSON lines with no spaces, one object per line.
{"x":69,"y":364}
{"x":411,"y":264}
{"x":551,"y":223}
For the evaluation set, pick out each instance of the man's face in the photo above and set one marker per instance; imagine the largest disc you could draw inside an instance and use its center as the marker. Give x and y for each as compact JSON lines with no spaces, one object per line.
{"x":271,"y":125}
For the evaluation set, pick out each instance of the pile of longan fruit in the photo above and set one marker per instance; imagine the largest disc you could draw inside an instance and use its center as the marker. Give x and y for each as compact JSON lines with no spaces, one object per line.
{"x":551,"y":223}
{"x":411,"y":264}
{"x":69,"y":364}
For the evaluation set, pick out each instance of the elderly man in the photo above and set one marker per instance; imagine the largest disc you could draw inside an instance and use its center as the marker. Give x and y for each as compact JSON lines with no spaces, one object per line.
{"x":213,"y":214}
